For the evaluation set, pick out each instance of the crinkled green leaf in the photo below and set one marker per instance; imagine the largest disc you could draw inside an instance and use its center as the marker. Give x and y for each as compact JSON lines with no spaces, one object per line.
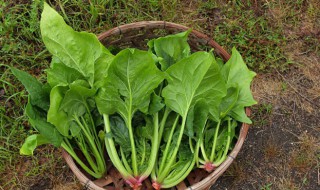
{"x":189,"y":122}
{"x":132,"y":78}
{"x":171,"y":48}
{"x":201,"y":114}
{"x":102,"y":65}
{"x":74,"y":129}
{"x":156,"y":104}
{"x":31,"y":143}
{"x":145,"y":131}
{"x":120,"y":132}
{"x":143,"y":153}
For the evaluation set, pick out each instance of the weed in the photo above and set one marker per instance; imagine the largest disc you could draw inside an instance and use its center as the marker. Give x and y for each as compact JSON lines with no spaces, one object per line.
{"x":266,"y":187}
{"x":261,"y":114}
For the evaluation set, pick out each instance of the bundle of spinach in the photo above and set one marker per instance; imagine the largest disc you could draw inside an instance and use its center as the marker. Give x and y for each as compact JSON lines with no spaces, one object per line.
{"x":158,"y":113}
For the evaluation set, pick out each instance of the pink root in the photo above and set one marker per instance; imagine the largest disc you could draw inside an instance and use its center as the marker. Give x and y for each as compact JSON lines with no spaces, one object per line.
{"x":156,"y":185}
{"x":209,"y":167}
{"x":135,"y":183}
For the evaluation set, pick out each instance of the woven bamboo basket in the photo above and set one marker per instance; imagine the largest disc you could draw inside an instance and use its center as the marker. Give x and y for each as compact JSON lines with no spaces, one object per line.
{"x":135,"y":35}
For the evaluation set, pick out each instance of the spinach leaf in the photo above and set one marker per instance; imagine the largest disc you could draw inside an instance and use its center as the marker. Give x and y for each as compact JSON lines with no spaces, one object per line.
{"x":171,"y":48}
{"x":132,"y":78}
{"x":38,"y":120}
{"x":55,"y":116}
{"x":156,"y":104}
{"x":77,"y":50}
{"x":229,"y":101}
{"x":236,"y":72}
{"x":31,"y":143}
{"x":38,"y":94}
{"x":60,"y":74}
{"x":75,"y":101}
{"x":120,"y":132}
{"x":192,"y":79}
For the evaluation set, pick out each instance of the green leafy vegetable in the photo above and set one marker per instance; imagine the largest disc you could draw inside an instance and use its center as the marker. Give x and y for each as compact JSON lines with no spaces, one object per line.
{"x":157,"y":113}
{"x":132,"y":78}
{"x":171,"y":48}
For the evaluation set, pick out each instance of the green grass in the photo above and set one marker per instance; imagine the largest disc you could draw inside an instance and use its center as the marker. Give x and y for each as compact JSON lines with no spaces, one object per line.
{"x":257,"y":30}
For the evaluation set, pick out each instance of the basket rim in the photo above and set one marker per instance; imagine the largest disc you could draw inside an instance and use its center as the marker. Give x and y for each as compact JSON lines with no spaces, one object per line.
{"x":212,"y":177}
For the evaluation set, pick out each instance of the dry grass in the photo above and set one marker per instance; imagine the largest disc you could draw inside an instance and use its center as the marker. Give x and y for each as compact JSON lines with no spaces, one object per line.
{"x":305,"y":157}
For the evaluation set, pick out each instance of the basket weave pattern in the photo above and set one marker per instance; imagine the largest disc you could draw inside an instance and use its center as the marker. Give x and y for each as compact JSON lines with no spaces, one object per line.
{"x":135,"y":35}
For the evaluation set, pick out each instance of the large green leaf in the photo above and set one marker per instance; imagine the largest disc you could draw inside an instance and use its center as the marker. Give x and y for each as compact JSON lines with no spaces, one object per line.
{"x":192,"y":79}
{"x":38,"y":120}
{"x":235,"y":71}
{"x":31,"y":143}
{"x":60,"y":74}
{"x":132,"y":78}
{"x":171,"y":48}
{"x":38,"y":94}
{"x":78,"y":50}
{"x":55,"y":116}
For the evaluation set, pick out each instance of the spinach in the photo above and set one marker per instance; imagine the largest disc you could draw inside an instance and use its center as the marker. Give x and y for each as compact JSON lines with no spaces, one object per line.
{"x":157,"y":113}
{"x":132,"y":78}
{"x":237,"y":79}
{"x":61,"y":111}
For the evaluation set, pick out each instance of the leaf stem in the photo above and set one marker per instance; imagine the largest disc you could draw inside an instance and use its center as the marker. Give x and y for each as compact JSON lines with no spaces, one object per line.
{"x":133,"y":147}
{"x":112,"y":152}
{"x":67,"y":147}
{"x":191,"y":145}
{"x":163,"y":122}
{"x":215,"y":141}
{"x":154,"y":148}
{"x":176,"y":180}
{"x":166,"y":151}
{"x":167,"y":168}
{"x":227,"y":146}
{"x":89,"y":138}
{"x":203,"y":151}
{"x":125,"y":162}
{"x":82,"y":145}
